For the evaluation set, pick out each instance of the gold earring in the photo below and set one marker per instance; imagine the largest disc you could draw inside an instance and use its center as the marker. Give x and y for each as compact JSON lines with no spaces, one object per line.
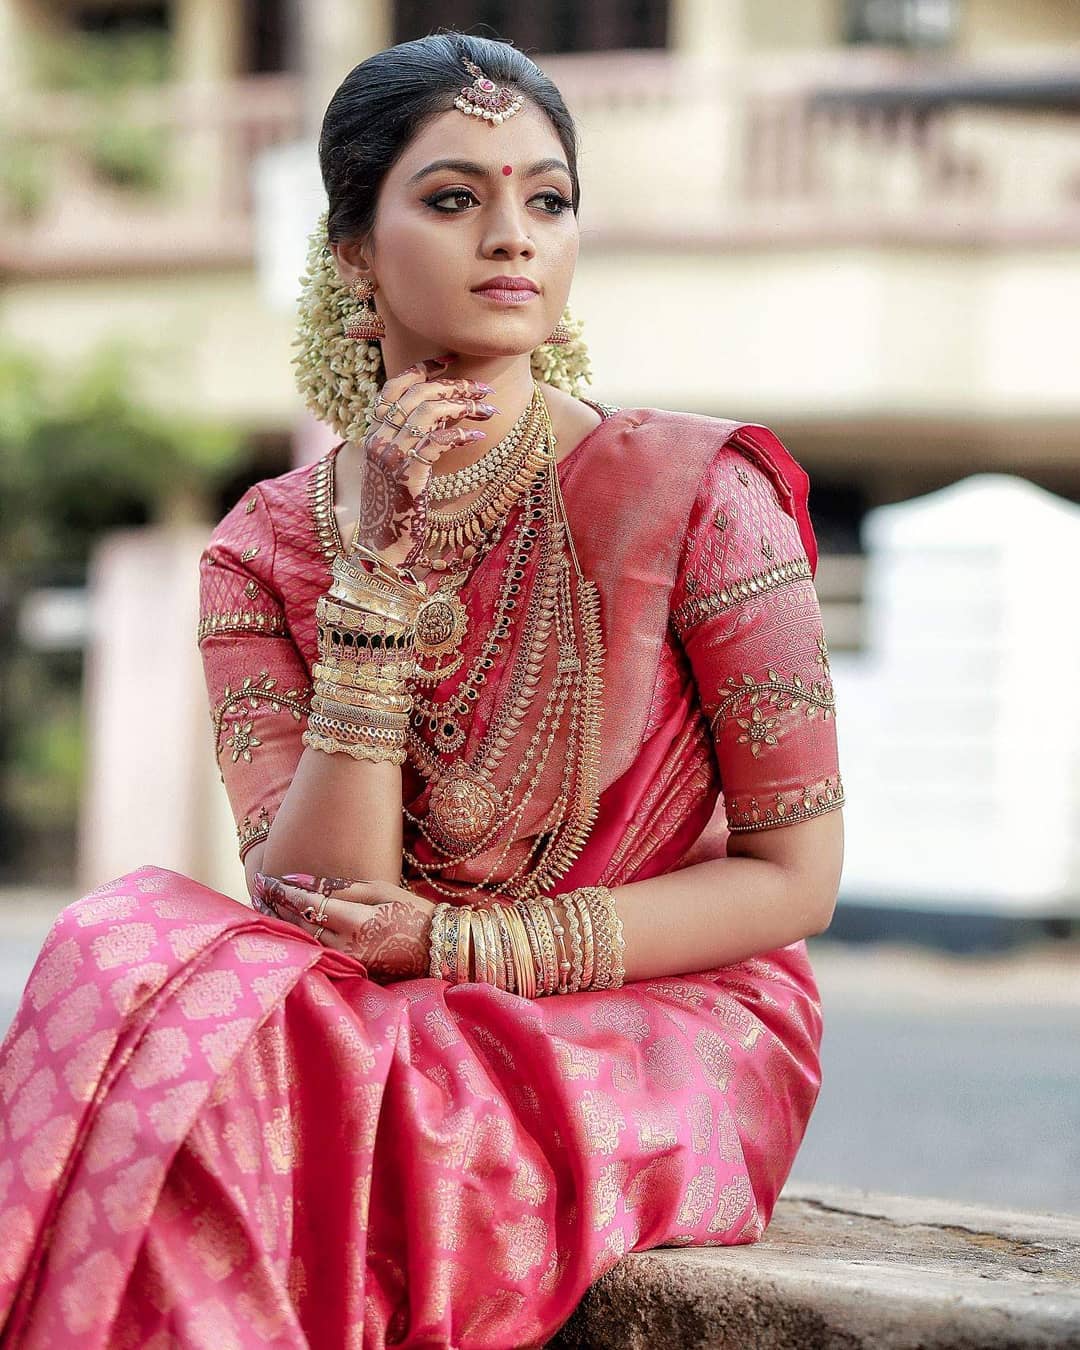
{"x":560,"y":335}
{"x":366,"y":325}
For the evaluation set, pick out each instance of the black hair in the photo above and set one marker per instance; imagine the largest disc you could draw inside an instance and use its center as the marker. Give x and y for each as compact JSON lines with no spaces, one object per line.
{"x":384,"y":101}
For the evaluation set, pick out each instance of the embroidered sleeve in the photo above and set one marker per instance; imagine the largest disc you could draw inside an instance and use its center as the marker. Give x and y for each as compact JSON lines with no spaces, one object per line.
{"x":256,"y":679}
{"x":747,"y":613}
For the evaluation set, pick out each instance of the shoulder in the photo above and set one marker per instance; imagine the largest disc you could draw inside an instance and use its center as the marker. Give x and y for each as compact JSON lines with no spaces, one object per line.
{"x":270,"y":509}
{"x":726,"y":453}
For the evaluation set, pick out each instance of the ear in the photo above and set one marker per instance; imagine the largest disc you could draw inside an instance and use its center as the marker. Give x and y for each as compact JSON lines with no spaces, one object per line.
{"x":352,"y":260}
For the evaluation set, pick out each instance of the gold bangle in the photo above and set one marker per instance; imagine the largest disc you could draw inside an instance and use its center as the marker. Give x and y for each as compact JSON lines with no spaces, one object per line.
{"x":331,"y":746}
{"x":526,"y":981}
{"x":462,"y":972}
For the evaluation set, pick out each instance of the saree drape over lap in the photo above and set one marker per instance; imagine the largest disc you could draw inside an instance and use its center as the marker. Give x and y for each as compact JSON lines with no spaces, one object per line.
{"x":215,"y":1132}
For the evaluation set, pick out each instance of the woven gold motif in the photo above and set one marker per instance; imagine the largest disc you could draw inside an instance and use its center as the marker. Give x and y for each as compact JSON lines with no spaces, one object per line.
{"x":706,"y":606}
{"x":255,"y":691}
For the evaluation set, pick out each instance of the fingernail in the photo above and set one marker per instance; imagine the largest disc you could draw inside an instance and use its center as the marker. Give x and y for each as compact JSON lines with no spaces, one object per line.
{"x":476,"y":435}
{"x":488,"y":408}
{"x":300,"y":878}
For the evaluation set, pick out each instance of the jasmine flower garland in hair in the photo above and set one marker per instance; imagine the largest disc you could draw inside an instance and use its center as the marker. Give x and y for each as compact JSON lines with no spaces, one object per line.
{"x":339,"y":377}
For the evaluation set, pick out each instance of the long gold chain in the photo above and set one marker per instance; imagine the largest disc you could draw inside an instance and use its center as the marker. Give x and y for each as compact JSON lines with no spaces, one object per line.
{"x":467,"y":815}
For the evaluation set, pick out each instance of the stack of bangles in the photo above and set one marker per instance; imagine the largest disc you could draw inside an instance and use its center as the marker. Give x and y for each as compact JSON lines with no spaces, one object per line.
{"x":366,"y":622}
{"x":522,"y":948}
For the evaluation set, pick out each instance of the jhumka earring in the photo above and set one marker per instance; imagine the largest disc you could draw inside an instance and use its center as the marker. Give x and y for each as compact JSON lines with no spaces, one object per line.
{"x":560,"y":335}
{"x":366,"y":325}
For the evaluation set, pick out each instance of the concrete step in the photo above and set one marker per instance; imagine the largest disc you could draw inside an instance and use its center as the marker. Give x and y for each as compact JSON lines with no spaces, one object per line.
{"x":846,"y":1269}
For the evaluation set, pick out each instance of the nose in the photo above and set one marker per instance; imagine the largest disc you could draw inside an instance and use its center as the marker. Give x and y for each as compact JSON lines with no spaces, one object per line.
{"x":507,"y":235}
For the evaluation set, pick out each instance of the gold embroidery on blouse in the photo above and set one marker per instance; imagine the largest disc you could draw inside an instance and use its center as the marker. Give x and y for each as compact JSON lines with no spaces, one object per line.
{"x":251,"y":588}
{"x":321,"y":501}
{"x":701,"y":607}
{"x":243,"y":741}
{"x":256,"y":689}
{"x":720,"y":520}
{"x":773,"y":690}
{"x":766,"y":547}
{"x":251,"y":504}
{"x":823,"y":654}
{"x":249,"y":553}
{"x":241,"y":621}
{"x":786,"y":808}
{"x":742,"y":475}
{"x":248,"y":834}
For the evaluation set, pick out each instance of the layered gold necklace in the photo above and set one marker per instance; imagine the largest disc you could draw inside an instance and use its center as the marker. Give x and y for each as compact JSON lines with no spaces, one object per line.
{"x":548,"y":617}
{"x":547,"y":620}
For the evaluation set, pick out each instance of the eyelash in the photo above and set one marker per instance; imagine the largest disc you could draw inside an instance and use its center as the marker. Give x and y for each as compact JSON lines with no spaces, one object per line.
{"x":563,"y":203}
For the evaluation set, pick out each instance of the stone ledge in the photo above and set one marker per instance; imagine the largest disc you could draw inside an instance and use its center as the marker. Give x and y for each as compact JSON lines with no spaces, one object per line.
{"x":847,"y":1269}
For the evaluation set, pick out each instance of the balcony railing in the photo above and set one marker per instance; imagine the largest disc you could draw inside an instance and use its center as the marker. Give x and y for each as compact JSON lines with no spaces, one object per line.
{"x":162,"y":176}
{"x":673,"y":152}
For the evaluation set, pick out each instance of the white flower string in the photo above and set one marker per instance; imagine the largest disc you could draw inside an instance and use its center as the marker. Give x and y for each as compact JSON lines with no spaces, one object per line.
{"x":339,"y":376}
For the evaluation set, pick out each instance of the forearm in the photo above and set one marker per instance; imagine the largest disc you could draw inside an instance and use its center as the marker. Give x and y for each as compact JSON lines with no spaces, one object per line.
{"x":711,"y":914}
{"x":340,"y":817}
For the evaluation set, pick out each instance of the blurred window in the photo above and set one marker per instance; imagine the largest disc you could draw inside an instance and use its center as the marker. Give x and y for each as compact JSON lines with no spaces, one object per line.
{"x":904,"y":23}
{"x":120,"y":18}
{"x":542,"y":25}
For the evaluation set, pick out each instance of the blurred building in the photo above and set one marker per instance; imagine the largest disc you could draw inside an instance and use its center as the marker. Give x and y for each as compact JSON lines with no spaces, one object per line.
{"x":853,"y":220}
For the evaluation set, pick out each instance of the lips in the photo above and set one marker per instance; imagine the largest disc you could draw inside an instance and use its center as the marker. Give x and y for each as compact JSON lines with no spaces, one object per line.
{"x":508,"y":284}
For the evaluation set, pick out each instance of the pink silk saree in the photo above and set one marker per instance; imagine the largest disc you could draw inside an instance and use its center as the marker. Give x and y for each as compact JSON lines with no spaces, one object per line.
{"x":216,"y":1132}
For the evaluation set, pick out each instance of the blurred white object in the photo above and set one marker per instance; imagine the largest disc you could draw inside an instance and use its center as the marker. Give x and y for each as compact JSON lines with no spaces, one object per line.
{"x":959,"y":741}
{"x":55,"y":619}
{"x":289,"y":199}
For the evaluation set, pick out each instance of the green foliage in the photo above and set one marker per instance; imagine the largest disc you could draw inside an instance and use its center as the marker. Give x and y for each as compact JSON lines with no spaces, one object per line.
{"x":80,"y":457}
{"x":101,"y":63}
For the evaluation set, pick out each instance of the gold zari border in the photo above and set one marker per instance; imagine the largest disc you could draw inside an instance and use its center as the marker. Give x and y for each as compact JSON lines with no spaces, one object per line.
{"x":743,"y":819}
{"x":241,"y":621}
{"x":700,"y":607}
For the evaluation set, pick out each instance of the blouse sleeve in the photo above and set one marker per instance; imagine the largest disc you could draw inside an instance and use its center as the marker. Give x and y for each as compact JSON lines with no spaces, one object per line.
{"x":746,"y":612}
{"x":256,"y":679}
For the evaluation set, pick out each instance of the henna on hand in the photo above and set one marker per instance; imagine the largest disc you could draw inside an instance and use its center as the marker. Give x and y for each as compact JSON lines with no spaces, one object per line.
{"x":393,"y":942}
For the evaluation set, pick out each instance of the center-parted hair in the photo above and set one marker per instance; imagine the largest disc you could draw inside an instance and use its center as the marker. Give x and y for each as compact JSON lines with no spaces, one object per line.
{"x":386,"y":100}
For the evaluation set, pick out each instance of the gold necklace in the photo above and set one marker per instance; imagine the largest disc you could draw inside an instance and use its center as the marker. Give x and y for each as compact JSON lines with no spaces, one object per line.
{"x":442,"y":619}
{"x":467,"y":813}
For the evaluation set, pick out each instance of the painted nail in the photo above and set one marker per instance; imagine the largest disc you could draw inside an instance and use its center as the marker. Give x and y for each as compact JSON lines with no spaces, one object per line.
{"x":489,"y":409}
{"x":300,"y":878}
{"x":475,"y":435}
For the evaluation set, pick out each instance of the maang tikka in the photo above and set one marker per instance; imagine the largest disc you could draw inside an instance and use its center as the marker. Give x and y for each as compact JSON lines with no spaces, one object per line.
{"x":366,"y":325}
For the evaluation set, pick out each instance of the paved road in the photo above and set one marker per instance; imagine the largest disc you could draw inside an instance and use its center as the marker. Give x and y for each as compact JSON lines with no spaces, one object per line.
{"x":955,"y":1077}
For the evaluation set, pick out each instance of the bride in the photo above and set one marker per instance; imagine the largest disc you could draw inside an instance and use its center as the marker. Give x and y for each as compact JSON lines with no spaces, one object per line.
{"x":523,"y":706}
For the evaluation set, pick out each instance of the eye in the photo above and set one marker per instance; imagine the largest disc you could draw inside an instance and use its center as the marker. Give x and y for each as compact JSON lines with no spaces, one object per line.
{"x":561,"y":203}
{"x":438,"y":197}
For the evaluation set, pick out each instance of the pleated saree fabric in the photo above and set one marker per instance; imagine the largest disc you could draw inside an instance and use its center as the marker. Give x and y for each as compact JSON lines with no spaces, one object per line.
{"x":216,"y":1132}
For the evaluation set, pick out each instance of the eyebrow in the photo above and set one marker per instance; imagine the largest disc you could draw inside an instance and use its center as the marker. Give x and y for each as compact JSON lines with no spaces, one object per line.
{"x":478,"y":170}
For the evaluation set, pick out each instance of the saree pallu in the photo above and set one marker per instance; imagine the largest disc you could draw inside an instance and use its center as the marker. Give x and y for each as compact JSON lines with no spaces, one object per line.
{"x":216,"y":1132}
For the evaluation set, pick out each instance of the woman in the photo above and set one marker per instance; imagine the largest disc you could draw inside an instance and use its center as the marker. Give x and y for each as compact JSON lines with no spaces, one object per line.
{"x":538,"y":801}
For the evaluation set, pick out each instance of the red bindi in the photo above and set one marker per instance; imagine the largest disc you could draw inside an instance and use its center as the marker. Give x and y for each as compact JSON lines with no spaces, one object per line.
{"x":507,"y":168}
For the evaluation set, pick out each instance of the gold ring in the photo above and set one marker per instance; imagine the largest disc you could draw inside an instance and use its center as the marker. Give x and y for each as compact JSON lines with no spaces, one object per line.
{"x":317,"y":935}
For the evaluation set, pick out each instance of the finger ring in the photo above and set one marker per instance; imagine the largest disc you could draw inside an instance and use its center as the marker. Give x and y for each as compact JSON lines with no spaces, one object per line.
{"x":413,"y":430}
{"x":398,"y":426}
{"x":414,"y":453}
{"x":392,"y":405}
{"x":317,"y":935}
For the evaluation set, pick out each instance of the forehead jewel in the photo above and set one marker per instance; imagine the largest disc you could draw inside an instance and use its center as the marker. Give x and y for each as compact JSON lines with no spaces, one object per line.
{"x":484,"y":98}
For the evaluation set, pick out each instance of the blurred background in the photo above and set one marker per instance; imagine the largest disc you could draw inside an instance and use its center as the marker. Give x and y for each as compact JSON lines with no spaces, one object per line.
{"x":855,"y":221}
